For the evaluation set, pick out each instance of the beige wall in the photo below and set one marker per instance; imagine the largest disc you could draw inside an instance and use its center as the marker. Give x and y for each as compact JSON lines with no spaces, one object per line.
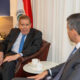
{"x":13,"y":9}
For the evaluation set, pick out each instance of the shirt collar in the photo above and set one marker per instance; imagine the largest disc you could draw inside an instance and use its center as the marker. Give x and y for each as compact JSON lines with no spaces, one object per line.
{"x":23,"y":34}
{"x":78,"y":45}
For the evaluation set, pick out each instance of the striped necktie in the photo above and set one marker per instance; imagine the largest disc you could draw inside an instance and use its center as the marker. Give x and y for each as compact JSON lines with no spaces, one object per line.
{"x":21,"y":43}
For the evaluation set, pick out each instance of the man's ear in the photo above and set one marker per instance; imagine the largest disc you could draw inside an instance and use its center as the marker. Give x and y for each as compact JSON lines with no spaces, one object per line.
{"x":74,"y":32}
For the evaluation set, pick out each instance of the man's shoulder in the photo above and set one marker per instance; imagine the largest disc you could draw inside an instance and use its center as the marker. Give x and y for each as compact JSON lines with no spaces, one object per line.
{"x":33,"y":30}
{"x":15,"y":29}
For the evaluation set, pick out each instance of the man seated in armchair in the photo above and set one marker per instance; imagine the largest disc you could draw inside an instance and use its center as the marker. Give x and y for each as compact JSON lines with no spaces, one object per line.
{"x":70,"y":70}
{"x":20,"y":42}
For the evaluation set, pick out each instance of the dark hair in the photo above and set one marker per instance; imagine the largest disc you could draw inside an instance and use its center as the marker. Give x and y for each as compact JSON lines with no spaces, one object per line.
{"x":74,"y":22}
{"x":24,"y":17}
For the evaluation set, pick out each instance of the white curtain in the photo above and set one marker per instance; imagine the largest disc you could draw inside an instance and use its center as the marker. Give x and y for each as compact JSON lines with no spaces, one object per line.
{"x":49,"y":16}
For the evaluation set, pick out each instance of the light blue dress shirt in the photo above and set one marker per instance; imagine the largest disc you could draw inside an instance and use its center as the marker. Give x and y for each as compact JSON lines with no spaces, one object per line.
{"x":15,"y":47}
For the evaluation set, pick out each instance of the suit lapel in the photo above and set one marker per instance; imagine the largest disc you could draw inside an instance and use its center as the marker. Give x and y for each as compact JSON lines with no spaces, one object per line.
{"x":17,"y":33}
{"x":15,"y":37}
{"x":72,"y":59}
{"x":77,"y":53}
{"x":28,"y":38}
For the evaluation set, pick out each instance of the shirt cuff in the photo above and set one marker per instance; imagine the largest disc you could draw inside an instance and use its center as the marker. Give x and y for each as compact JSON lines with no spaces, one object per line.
{"x":50,"y":72}
{"x":21,"y":54}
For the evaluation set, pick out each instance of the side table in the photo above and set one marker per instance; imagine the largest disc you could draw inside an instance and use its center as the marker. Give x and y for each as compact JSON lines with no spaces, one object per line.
{"x":31,"y":69}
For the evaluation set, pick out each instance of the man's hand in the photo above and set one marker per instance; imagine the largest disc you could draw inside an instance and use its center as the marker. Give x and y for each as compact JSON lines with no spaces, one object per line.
{"x":1,"y":58}
{"x":11,"y":58}
{"x":40,"y":76}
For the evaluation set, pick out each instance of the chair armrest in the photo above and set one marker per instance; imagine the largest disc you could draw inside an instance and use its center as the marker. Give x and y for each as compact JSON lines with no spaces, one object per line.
{"x":35,"y":55}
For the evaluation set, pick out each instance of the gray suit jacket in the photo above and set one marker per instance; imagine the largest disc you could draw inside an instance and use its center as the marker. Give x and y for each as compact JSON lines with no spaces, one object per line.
{"x":71,"y":70}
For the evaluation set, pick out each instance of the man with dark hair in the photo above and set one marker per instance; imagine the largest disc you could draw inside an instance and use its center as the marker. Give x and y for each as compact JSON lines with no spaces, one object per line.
{"x":70,"y":70}
{"x":20,"y":42}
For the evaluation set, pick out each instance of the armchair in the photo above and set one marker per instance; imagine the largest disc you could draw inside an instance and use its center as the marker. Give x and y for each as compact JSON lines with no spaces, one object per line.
{"x":41,"y":54}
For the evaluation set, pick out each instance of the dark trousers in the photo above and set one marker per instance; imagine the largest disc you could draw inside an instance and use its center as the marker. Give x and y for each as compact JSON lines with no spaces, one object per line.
{"x":22,"y":79}
{"x":46,"y":78}
{"x":7,"y":70}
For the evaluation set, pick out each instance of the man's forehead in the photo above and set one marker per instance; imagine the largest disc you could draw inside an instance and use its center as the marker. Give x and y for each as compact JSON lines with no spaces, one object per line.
{"x":24,"y":20}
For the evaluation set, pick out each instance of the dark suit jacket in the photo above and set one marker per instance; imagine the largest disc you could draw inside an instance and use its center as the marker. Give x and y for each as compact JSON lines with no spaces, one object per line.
{"x":71,"y":70}
{"x":32,"y":43}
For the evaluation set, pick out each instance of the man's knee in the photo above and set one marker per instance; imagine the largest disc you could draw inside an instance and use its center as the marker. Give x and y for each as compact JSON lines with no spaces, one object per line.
{"x":9,"y":64}
{"x":8,"y":70}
